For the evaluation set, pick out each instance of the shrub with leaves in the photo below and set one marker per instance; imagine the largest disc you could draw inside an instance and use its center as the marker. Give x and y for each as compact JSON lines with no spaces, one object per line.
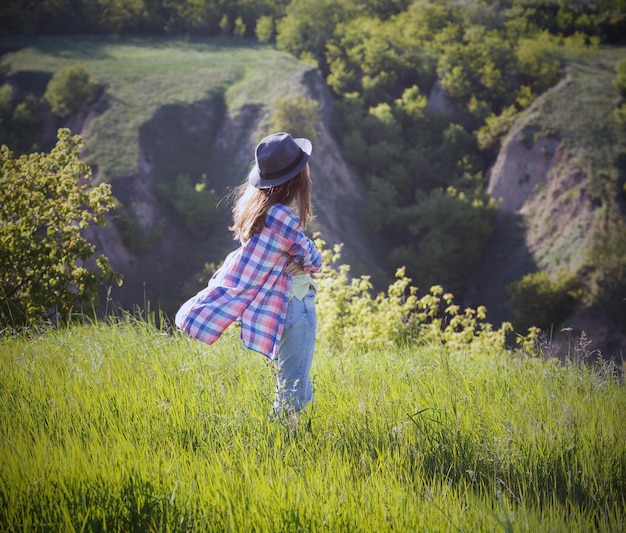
{"x":20,"y":124}
{"x":193,"y":202}
{"x":350,"y":315}
{"x":70,"y":89}
{"x":540,"y":300}
{"x":265,"y":29}
{"x":298,"y":115}
{"x":620,"y":84}
{"x":46,"y":203}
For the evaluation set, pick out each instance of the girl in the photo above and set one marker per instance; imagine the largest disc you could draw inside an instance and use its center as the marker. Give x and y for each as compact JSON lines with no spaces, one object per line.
{"x":266,"y":283}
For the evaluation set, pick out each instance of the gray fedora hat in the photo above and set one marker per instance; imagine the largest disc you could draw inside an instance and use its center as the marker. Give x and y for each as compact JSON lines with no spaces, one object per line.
{"x":278,"y":158}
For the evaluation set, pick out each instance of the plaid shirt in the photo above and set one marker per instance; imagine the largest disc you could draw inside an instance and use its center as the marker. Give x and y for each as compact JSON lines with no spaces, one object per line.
{"x":252,"y":286}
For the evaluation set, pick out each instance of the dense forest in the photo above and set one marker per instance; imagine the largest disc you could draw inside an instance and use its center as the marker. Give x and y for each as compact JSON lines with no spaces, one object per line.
{"x":424,"y":166}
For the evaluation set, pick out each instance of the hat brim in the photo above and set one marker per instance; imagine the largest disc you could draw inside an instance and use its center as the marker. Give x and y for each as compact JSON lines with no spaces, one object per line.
{"x":254,"y":176}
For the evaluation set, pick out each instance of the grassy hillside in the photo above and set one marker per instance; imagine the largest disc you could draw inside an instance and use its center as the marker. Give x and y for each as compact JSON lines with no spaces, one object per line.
{"x":127,"y":428}
{"x":143,"y":75}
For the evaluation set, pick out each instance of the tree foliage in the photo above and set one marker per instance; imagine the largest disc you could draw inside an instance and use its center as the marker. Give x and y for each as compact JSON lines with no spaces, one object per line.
{"x":543,"y":301}
{"x":264,"y":30}
{"x":192,"y":202}
{"x":450,"y":231}
{"x":298,"y":115}
{"x":70,"y":89}
{"x":620,"y":78}
{"x":19,"y":122}
{"x":45,"y":267}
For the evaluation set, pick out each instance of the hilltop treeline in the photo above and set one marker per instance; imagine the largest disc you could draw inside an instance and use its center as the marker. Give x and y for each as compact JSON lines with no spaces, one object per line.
{"x":603,"y":18}
{"x":425,"y":90}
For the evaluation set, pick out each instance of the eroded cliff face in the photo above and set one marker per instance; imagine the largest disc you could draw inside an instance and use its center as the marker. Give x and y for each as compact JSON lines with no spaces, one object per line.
{"x":538,"y":181}
{"x":206,"y":139}
{"x":548,"y":219}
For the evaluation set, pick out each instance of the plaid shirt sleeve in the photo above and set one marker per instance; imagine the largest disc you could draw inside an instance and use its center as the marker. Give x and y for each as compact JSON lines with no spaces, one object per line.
{"x":287,"y":226}
{"x":252,"y":286}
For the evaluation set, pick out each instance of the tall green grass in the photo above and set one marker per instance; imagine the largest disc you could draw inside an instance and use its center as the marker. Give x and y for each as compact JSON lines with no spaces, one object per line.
{"x":125,"y":427}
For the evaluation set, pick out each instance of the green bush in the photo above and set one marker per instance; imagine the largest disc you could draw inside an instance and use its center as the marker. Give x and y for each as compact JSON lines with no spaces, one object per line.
{"x":490,"y":135}
{"x":240,"y":28}
{"x":45,"y":262}
{"x":136,"y":238}
{"x":20,"y":124}
{"x":6,"y":95}
{"x":70,"y":89}
{"x":539,"y":300}
{"x":620,"y":79}
{"x":298,"y":115}
{"x":194,"y":203}
{"x":607,"y":262}
{"x":265,"y":29}
{"x":224,"y":26}
{"x":448,"y":233}
{"x":349,"y":315}
{"x":26,"y":124}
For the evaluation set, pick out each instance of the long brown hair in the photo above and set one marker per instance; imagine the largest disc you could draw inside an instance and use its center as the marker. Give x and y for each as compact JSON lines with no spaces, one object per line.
{"x":252,"y":204}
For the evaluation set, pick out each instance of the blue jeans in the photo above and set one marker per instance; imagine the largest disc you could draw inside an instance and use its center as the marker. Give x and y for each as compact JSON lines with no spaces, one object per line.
{"x":295,"y":355}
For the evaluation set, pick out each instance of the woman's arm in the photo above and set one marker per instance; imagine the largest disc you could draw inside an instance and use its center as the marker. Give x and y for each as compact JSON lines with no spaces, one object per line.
{"x":292,"y":239}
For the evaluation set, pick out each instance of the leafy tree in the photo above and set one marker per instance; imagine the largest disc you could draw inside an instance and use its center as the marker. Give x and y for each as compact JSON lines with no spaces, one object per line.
{"x":264,"y":30}
{"x":495,"y":128}
{"x":535,"y":55}
{"x":449,"y":230}
{"x":44,"y":268}
{"x":19,"y":124}
{"x":371,"y":57}
{"x":607,"y":265}
{"x":70,"y":89}
{"x":26,"y":123}
{"x":240,"y":28}
{"x":620,"y":84}
{"x":193,"y":202}
{"x":299,"y":116}
{"x":6,"y":94}
{"x":308,"y":25}
{"x":224,"y":26}
{"x":112,"y":16}
{"x":620,"y":78}
{"x":481,"y":66}
{"x":620,"y":116}
{"x":611,"y":18}
{"x":413,"y":103}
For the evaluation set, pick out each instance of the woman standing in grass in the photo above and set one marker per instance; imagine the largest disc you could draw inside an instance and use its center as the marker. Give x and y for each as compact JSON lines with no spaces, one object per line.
{"x":266,"y":283}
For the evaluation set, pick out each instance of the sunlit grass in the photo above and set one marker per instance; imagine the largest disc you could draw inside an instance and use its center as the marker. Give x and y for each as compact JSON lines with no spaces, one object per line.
{"x":125,"y":427}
